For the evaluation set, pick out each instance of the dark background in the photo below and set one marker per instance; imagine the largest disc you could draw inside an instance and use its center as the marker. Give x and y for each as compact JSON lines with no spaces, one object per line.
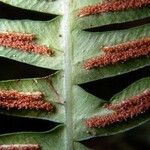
{"x":136,"y":139}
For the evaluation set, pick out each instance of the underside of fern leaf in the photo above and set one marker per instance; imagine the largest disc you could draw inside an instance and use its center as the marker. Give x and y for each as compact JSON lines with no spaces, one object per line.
{"x":83,"y":42}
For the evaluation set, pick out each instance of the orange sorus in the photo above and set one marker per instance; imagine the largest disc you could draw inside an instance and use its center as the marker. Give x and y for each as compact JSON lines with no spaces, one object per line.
{"x":20,"y":147}
{"x":120,"y":53}
{"x":23,"y":42}
{"x":17,"y":36}
{"x":112,"y":6}
{"x":136,"y":44}
{"x":23,"y":100}
{"x":123,"y":110}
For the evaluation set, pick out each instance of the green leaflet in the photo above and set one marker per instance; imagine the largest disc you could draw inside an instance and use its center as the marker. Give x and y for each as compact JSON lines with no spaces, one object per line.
{"x":45,"y":140}
{"x":92,"y":47}
{"x":97,"y":110}
{"x":48,"y":86}
{"x":72,"y":46}
{"x":43,"y":31}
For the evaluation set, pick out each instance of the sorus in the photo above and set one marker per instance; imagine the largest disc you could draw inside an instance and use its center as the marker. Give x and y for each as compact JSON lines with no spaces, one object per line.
{"x":120,"y":53}
{"x":23,"y":42}
{"x":20,"y":147}
{"x":23,"y":100}
{"x":112,"y":6}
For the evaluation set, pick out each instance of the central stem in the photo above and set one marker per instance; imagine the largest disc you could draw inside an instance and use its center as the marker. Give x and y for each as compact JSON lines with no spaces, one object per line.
{"x":67,"y":74}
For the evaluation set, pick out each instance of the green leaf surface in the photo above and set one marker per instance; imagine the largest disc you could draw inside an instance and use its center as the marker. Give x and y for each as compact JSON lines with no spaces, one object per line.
{"x":48,"y":6}
{"x":73,"y":45}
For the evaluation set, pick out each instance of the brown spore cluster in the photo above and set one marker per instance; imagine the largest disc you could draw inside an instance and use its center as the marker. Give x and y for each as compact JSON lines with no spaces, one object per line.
{"x":20,"y":147}
{"x":126,"y":109}
{"x":23,"y":100}
{"x":23,"y":42}
{"x":120,"y":53}
{"x":112,"y":6}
